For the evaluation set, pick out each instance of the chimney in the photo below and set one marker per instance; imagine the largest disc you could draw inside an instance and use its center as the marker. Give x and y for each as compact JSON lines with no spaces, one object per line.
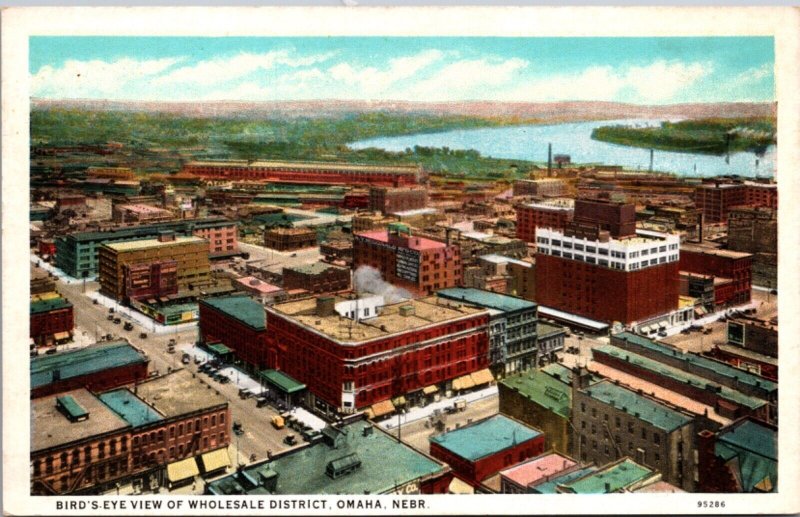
{"x":326,"y":306}
{"x":549,"y":160}
{"x":166,"y":236}
{"x":608,"y":487}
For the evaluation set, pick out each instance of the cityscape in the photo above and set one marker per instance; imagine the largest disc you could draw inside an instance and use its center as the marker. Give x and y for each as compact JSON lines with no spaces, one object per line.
{"x":295,"y":266}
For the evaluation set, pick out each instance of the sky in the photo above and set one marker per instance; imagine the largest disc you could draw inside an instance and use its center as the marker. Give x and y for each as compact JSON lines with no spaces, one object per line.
{"x":633,"y":70}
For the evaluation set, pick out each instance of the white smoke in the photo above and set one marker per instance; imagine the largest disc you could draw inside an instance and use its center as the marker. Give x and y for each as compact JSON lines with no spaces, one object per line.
{"x":367,"y":279}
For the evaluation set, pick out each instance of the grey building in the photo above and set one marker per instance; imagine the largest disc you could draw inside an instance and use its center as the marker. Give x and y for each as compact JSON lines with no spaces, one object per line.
{"x":550,"y":341}
{"x":512,"y":328}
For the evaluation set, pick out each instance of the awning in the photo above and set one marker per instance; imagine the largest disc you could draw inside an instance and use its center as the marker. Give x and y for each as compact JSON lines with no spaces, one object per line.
{"x":181,"y":470}
{"x":215,"y":460}
{"x":430,"y":390}
{"x":281,"y":381}
{"x":463,"y":383}
{"x":646,"y":329}
{"x":59,"y":336}
{"x":151,"y":301}
{"x":219,"y":349}
{"x":459,"y":487}
{"x":662,"y":325}
{"x":482,"y":377}
{"x":399,"y":401}
{"x":382,"y":408}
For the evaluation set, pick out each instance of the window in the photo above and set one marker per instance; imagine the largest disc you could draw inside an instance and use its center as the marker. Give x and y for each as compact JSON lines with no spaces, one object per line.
{"x":656,"y":438}
{"x":594,"y":412}
{"x":578,"y":247}
{"x":594,"y":429}
{"x":591,"y":249}
{"x":583,"y":407}
{"x":644,"y":433}
{"x":602,"y":251}
{"x":630,"y":427}
{"x":618,"y":421}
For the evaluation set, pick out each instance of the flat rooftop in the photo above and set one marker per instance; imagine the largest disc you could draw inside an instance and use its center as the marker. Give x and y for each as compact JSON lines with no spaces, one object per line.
{"x":84,"y":361}
{"x":414,"y":242}
{"x":142,"y":231}
{"x":694,"y":248}
{"x":502,"y":259}
{"x":303,"y":471}
{"x":551,"y":486}
{"x":152,"y":243}
{"x":427,"y":311}
{"x":484,"y":438}
{"x":488,"y":299}
{"x":749,"y":435}
{"x":300,"y":166}
{"x":537,"y":469}
{"x":51,"y":428}
{"x":613,"y":478}
{"x":543,"y":389}
{"x":178,"y":393}
{"x":314,"y":269}
{"x":544,"y":330}
{"x":51,"y":304}
{"x":643,"y":408}
{"x":241,"y":308}
{"x":131,"y":408}
{"x":701,"y":362}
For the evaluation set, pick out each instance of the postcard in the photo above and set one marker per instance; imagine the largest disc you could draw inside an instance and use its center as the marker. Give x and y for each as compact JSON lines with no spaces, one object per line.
{"x":363,"y":261}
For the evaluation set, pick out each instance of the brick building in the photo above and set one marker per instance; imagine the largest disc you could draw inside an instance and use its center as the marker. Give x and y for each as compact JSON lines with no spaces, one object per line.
{"x":52,"y":319}
{"x":97,"y":367}
{"x":337,"y":250}
{"x":481,"y":449}
{"x":139,"y":213}
{"x":318,"y":277}
{"x":306,"y":172}
{"x":739,"y":458}
{"x":239,"y":323}
{"x":289,"y":239}
{"x":618,"y":219}
{"x":521,"y":478}
{"x":119,"y":261}
{"x":755,"y":230}
{"x":391,"y":200}
{"x":519,"y":275}
{"x":419,"y":264}
{"x":257,"y":288}
{"x":351,"y":358}
{"x":721,"y":264}
{"x":612,"y":422}
{"x":716,"y":200}
{"x":607,"y":279}
{"x":546,"y":187}
{"x":555,"y":214}
{"x":119,"y":436}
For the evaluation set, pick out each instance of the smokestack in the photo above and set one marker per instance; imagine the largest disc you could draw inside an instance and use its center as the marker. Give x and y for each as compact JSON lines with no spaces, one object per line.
{"x":700,"y":218}
{"x":651,"y":160}
{"x":549,"y":159}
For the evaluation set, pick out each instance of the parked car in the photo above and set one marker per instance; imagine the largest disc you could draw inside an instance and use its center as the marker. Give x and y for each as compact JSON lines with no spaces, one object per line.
{"x":128,"y":325}
{"x":110,"y":317}
{"x":186,"y":359}
{"x":290,"y":439}
{"x":117,"y":321}
{"x":143,"y":335}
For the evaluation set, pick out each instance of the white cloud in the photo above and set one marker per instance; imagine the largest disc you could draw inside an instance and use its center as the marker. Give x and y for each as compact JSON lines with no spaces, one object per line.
{"x":96,"y":78}
{"x":372,"y":80}
{"x":466,"y":78}
{"x":224,"y":69}
{"x":661,"y":80}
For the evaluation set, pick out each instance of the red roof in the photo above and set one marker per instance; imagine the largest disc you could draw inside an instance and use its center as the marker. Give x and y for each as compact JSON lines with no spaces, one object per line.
{"x":414,"y":242}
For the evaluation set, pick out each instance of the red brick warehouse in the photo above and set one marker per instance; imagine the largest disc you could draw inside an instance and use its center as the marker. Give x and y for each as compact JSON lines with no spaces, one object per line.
{"x":239,"y":323}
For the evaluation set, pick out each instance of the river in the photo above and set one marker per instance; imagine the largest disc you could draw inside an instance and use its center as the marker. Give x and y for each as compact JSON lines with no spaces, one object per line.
{"x":574,"y":139}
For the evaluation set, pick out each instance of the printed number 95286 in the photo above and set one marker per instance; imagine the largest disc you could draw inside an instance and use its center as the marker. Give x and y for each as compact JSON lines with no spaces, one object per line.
{"x":711,"y":504}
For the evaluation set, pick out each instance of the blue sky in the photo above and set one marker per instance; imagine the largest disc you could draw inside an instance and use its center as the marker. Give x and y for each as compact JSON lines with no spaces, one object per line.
{"x":636,"y":70}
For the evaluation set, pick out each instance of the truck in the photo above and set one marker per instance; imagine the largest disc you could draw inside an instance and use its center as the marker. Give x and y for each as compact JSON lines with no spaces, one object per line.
{"x":278,"y":422}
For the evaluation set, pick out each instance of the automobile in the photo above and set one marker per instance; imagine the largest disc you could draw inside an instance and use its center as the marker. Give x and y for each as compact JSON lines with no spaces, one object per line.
{"x":261,"y":401}
{"x":224,"y":379}
{"x":238,"y":430}
{"x":686,"y":331}
{"x":111,"y":310}
{"x":186,"y":359}
{"x":198,"y":360}
{"x":95,"y":302}
{"x":171,"y":349}
{"x":773,"y":291}
{"x":294,"y":255}
{"x":662,"y":334}
{"x":244,"y":393}
{"x":143,"y":335}
{"x":278,"y":422}
{"x":51,"y":351}
{"x":172,"y":342}
{"x":117,"y":321}
{"x":708,"y":331}
{"x":290,"y":439}
{"x":110,"y":317}
{"x":128,"y":325}
{"x":154,"y":373}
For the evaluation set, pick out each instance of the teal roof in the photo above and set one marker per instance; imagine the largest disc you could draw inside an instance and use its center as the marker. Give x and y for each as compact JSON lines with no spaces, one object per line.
{"x":564,"y":374}
{"x":220,"y":349}
{"x":702,"y":362}
{"x":753,"y":437}
{"x":610,"y":479}
{"x":150,"y":229}
{"x":282,"y":381}
{"x":544,"y":390}
{"x":385,"y":464}
{"x":488,"y":299}
{"x":242,"y":308}
{"x":752,"y":450}
{"x":634,"y":404}
{"x":84,"y":361}
{"x":681,"y":376}
{"x":73,"y":409}
{"x":549,"y":487}
{"x":131,"y":408}
{"x":49,"y":305}
{"x":486,"y":437}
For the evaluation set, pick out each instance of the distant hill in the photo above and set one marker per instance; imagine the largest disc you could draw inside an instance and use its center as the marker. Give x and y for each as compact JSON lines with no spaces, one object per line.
{"x":543,"y":111}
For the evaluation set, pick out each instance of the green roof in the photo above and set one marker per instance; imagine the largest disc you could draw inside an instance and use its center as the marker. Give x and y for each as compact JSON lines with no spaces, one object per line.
{"x":753,"y":437}
{"x":486,"y":437}
{"x":750,"y":449}
{"x":564,"y":374}
{"x":549,"y":487}
{"x":49,"y":305}
{"x":544,"y":390}
{"x":130,"y":407}
{"x":610,"y":479}
{"x":280,"y":380}
{"x":242,"y":308}
{"x":681,"y":376}
{"x":219,"y":349}
{"x":73,"y":409}
{"x":385,"y":464}
{"x":701,"y":362}
{"x":632,"y":403}
{"x":84,"y":361}
{"x":544,"y":330}
{"x":144,"y":231}
{"x":488,"y":299}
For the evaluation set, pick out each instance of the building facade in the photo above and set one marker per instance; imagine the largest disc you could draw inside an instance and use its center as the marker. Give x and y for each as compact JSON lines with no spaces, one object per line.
{"x":721,"y":264}
{"x":416,"y":263}
{"x":391,"y":200}
{"x":553,"y":214}
{"x":289,"y":239}
{"x":52,"y":319}
{"x":624,"y":280}
{"x":239,"y":323}
{"x":316,"y":278}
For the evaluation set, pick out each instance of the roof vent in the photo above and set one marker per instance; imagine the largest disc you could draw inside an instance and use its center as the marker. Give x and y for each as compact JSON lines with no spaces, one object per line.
{"x":343,"y":466}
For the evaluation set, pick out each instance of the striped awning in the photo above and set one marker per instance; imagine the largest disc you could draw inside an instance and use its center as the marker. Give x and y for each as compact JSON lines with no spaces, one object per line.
{"x":459,"y":487}
{"x":60,"y":336}
{"x":463,"y":383}
{"x":181,"y":470}
{"x":482,"y":377}
{"x":216,"y":460}
{"x":382,"y":408}
{"x":430,"y":390}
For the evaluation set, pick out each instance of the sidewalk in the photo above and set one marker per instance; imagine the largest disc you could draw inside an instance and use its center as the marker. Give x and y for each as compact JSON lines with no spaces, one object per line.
{"x":148,"y":324}
{"x":418,"y":413}
{"x":60,"y":274}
